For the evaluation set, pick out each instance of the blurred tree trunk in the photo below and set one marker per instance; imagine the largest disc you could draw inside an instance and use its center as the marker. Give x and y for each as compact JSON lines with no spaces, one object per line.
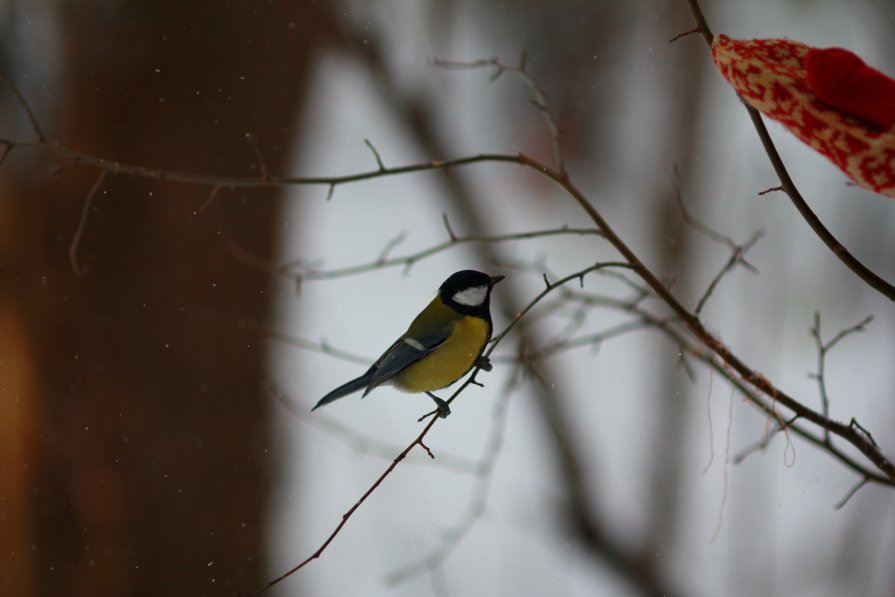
{"x":134,"y":431}
{"x":674,"y":420}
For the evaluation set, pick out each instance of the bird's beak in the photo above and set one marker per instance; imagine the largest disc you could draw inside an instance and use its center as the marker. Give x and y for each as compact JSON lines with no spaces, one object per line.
{"x":496,"y":279}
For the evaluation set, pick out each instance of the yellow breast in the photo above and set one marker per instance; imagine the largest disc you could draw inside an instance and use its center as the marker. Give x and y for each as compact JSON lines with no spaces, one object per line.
{"x":450,"y":361}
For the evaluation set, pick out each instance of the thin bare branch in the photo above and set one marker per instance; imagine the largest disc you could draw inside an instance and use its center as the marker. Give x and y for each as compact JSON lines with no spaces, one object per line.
{"x":375,"y":155}
{"x":692,"y":220}
{"x":322,"y":346}
{"x":300,"y":272}
{"x":726,"y":485}
{"x":550,"y":287}
{"x":447,"y":226}
{"x":82,"y":224}
{"x":361,"y":442}
{"x":348,"y":514}
{"x":262,"y":167}
{"x":390,"y":246}
{"x":74,"y":156}
{"x":823,"y":348}
{"x":683,"y":34}
{"x":539,"y":99}
{"x":454,"y":536}
{"x":35,"y":125}
{"x":737,"y":251}
{"x":770,"y":190}
{"x":736,"y":258}
{"x":592,"y":340}
{"x":701,"y":25}
{"x":7,"y":149}
{"x":708,"y":412}
{"x":208,"y":201}
{"x":855,"y":425}
{"x":851,"y":492}
{"x":413,"y":258}
{"x":861,"y":326}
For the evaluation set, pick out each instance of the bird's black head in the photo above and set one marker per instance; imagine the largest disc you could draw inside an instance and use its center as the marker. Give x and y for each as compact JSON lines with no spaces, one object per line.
{"x":469,"y":291}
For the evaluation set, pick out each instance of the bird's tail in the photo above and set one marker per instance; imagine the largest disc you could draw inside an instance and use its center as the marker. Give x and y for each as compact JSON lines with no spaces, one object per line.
{"x":352,"y":386}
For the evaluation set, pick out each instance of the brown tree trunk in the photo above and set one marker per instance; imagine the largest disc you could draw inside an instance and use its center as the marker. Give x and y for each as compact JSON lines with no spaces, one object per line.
{"x":134,"y":427}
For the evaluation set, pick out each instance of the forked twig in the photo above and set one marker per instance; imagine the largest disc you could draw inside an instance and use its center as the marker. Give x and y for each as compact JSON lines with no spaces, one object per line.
{"x":539,"y":98}
{"x":823,"y":348}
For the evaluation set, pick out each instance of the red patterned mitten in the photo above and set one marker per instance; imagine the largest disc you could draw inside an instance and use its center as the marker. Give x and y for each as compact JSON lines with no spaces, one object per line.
{"x":828,"y":98}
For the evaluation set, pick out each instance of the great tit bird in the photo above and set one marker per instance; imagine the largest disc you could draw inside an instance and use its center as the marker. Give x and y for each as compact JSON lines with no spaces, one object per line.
{"x":445,"y":341}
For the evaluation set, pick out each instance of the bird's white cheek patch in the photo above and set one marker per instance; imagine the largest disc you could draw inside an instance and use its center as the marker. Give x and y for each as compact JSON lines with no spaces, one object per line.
{"x":471,"y":297}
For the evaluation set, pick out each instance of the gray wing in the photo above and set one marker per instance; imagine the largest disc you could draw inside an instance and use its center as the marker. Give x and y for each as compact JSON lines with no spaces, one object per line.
{"x":402,"y":354}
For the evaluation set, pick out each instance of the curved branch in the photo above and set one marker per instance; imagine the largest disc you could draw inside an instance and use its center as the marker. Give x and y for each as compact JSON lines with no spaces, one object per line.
{"x":410,"y":259}
{"x":209,"y":180}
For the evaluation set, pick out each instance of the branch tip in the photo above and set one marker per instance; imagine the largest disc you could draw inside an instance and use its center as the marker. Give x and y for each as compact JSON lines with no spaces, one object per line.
{"x":851,"y":492}
{"x":770,"y":190}
{"x":447,"y":226}
{"x":376,"y":155}
{"x":35,"y":125}
{"x":82,"y":224}
{"x":426,"y":448}
{"x":684,"y":34}
{"x":208,"y":201}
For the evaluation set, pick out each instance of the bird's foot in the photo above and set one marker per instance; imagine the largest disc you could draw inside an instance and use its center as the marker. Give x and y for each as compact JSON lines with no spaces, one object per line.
{"x":484,"y":363}
{"x":442,"y":409}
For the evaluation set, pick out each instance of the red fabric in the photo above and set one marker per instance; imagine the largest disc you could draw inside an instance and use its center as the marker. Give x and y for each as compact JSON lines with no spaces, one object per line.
{"x":832,"y":101}
{"x":841,"y":79}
